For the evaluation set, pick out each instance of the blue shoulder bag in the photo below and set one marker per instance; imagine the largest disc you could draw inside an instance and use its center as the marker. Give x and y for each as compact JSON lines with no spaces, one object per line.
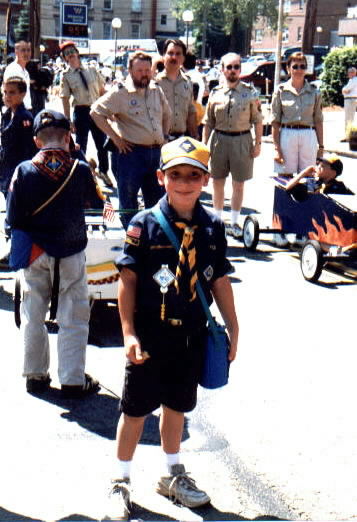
{"x":215,"y":370}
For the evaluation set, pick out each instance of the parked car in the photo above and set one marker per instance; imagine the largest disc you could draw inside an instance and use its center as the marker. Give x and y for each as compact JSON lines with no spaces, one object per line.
{"x":319,"y":51}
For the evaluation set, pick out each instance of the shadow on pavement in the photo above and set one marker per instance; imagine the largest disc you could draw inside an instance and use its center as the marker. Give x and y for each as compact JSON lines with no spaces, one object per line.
{"x":104,"y":325}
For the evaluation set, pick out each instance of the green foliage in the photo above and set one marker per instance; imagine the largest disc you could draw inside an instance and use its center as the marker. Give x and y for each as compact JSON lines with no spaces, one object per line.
{"x":22,"y":27}
{"x":334,"y":76}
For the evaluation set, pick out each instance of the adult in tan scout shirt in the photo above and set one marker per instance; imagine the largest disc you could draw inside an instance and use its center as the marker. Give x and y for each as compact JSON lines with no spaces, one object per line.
{"x":297,"y":120}
{"x":232,"y":109}
{"x":178,"y":90}
{"x":85,"y":85}
{"x":136,"y":117}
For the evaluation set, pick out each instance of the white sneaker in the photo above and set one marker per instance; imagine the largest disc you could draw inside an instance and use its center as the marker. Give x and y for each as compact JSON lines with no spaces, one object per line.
{"x":280,"y":240}
{"x":180,"y":487}
{"x":237,"y":232}
{"x":119,"y":500}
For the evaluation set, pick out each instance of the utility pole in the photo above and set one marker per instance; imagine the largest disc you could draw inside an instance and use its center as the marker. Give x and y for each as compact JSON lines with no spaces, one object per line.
{"x":309,"y":26}
{"x":204,"y":30}
{"x":278,"y":44}
{"x":35,"y":26}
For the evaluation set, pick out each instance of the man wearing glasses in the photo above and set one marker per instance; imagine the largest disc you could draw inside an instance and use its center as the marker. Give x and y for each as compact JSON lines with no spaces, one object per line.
{"x":232,"y":109}
{"x":18,"y":68}
{"x":85,"y":84}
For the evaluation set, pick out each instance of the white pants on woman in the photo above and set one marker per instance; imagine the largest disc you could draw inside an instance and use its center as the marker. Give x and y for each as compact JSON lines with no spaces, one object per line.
{"x":299,"y":148}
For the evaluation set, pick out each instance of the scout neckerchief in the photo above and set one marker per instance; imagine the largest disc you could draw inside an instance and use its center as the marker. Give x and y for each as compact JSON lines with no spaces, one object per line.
{"x":187,"y":261}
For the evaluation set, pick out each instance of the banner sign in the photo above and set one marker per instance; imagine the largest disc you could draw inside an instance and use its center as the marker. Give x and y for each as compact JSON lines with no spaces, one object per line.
{"x":74,"y":21}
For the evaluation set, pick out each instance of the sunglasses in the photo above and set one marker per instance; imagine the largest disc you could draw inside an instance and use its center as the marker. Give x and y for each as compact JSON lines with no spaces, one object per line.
{"x":235,"y":67}
{"x":70,"y":51}
{"x":302,"y":66}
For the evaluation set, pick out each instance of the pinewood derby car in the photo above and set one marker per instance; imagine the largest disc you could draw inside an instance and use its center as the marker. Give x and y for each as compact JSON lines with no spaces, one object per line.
{"x":327,"y":223}
{"x":105,"y":242}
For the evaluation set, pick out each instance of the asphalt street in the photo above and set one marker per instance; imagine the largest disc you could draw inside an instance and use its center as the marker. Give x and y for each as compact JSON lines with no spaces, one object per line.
{"x":277,"y":443}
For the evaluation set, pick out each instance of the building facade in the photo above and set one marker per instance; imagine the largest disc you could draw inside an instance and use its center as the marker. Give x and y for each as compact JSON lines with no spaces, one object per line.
{"x":329,"y":12}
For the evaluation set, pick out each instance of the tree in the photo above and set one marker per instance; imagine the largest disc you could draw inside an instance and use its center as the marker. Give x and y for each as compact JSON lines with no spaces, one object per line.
{"x":309,"y":26}
{"x":334,"y":76}
{"x":230,"y":17}
{"x":22,"y":27}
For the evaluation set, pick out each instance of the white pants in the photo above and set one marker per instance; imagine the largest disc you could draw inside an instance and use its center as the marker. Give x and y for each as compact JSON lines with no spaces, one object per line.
{"x":350,"y":111}
{"x":299,"y":148}
{"x":72,"y":317}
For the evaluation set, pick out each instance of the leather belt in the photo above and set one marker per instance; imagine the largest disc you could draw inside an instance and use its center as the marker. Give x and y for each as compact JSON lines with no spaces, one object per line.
{"x":297,"y":126}
{"x":81,"y":106}
{"x":238,"y":133}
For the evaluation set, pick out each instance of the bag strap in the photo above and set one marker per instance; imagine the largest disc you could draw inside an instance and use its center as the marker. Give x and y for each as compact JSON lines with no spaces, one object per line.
{"x":156,"y":210}
{"x":58,"y":191}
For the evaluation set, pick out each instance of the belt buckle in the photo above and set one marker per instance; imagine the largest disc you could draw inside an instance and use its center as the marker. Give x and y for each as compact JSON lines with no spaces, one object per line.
{"x":175,"y":322}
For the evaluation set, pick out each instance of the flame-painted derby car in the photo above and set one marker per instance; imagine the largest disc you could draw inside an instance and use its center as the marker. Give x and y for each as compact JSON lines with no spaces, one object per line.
{"x":327,"y":222}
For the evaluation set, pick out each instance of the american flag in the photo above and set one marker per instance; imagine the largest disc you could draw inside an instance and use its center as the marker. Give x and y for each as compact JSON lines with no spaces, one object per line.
{"x":108,"y":211}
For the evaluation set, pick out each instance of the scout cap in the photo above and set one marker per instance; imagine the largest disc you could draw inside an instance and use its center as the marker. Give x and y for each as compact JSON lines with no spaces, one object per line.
{"x":184,"y":151}
{"x":334,"y":162}
{"x":68,"y":43}
{"x":47,"y":118}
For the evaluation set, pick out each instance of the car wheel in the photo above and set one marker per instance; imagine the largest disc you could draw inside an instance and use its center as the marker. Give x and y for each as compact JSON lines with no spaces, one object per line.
{"x":311,"y":260}
{"x":250,"y":232}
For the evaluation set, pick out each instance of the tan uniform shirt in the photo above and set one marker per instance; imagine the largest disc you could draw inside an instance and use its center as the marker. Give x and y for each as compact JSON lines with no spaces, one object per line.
{"x":180,"y":97}
{"x":139,"y":113}
{"x":71,"y":84}
{"x":296,"y":108}
{"x":233,"y":110}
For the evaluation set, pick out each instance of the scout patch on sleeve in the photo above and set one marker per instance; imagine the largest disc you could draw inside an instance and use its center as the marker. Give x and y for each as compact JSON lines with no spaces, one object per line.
{"x":134,"y":231}
{"x":208,"y":273}
{"x":132,"y":241}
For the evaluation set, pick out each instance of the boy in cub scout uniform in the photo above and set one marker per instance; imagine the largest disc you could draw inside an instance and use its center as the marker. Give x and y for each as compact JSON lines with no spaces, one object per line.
{"x":232,"y":109}
{"x":57,"y":231}
{"x":163,"y":321}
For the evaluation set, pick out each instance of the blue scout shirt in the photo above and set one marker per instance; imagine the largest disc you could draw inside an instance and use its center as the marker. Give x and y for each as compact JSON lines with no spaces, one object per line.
{"x":59,"y":229}
{"x":147,"y":249}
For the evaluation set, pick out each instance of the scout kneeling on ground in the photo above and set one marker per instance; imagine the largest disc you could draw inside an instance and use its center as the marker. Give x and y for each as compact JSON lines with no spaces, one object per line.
{"x":163,"y":321}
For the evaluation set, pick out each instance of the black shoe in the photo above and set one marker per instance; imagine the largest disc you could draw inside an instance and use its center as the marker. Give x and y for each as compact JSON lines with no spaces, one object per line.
{"x":90,"y":387}
{"x":38,"y":384}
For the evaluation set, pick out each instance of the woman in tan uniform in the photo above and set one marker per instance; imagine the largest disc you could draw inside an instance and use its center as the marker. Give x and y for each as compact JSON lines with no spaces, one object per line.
{"x":297,"y":122}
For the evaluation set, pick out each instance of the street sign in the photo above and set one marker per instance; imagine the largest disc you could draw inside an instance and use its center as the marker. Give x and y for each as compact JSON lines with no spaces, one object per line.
{"x":310,"y":58}
{"x":74,"y":20}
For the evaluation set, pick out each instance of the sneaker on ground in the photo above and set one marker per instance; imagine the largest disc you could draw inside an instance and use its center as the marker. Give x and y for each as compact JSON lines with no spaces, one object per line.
{"x":228,"y":228}
{"x":38,"y":384}
{"x":104,"y":177}
{"x":119,"y":500}
{"x":89,"y":387}
{"x":280,"y":240}
{"x":181,"y":488}
{"x":237,"y":231}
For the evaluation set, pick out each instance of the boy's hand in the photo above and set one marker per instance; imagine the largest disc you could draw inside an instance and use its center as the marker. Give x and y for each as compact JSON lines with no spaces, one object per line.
{"x":133,"y":350}
{"x":233,"y":346}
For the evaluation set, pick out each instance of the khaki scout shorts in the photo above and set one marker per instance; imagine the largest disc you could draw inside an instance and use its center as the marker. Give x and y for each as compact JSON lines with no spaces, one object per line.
{"x":231,"y":154}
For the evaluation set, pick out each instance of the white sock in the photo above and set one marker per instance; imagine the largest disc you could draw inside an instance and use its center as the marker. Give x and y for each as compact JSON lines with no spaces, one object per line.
{"x":124,"y":468}
{"x":171,"y":460}
{"x":235,"y":216}
{"x":218,"y":212}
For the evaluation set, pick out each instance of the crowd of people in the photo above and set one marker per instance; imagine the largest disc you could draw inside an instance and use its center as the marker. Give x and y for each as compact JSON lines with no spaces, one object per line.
{"x":164,"y":144}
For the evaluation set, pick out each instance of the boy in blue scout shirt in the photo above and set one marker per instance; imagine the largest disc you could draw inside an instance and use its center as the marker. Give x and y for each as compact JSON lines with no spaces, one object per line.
{"x":163,"y":321}
{"x":47,"y":202}
{"x":16,"y":131}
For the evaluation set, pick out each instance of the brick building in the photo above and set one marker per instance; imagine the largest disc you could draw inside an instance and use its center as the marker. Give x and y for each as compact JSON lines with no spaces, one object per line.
{"x":329,"y":12}
{"x":140,"y":18}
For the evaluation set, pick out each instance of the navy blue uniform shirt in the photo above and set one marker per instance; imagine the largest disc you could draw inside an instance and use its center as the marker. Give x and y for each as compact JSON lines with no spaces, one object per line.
{"x":147,"y":249}
{"x":60,"y":227}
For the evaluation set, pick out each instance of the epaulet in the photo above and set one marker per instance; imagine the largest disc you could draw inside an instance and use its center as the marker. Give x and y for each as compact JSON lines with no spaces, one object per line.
{"x":247,"y":85}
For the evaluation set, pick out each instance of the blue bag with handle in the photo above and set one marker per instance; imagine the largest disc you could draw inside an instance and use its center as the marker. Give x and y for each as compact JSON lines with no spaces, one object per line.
{"x":215,"y":371}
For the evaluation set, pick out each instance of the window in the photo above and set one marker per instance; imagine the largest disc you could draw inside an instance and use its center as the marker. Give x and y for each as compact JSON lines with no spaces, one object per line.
{"x":136,"y":6}
{"x":258,"y":35}
{"x":285,"y":35}
{"x":299,"y":34}
{"x":301,"y":4}
{"x":135,"y":30}
{"x":16,"y":1}
{"x":89,"y":4}
{"x":107,"y":30}
{"x":163,"y":20}
{"x":57,"y":25}
{"x":287,"y":6}
{"x":107,"y":4}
